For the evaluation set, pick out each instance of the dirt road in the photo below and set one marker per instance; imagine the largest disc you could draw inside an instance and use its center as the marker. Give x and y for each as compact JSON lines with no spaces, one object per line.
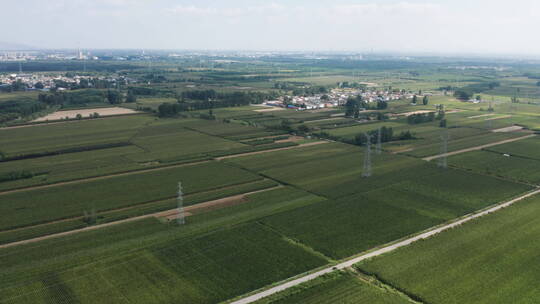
{"x":169,"y":214}
{"x":75,"y":181}
{"x":391,"y":247}
{"x":430,"y":158}
{"x":273,"y":150}
{"x":153,"y":169}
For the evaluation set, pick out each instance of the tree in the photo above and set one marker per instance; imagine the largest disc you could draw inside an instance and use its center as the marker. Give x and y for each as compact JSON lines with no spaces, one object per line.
{"x":39,"y":86}
{"x":382,"y":104}
{"x":405,"y":135}
{"x":131,"y":97}
{"x":440,"y":112}
{"x":79,"y":116}
{"x":462,"y":94}
{"x":114,"y":97}
{"x":425,"y":100}
{"x":304,"y":129}
{"x":350,"y":106}
{"x":414,"y":99}
{"x":442,"y":124}
{"x":2,"y":156}
{"x":286,"y":125}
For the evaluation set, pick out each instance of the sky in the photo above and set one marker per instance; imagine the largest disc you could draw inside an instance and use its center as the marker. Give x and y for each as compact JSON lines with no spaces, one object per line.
{"x":413,"y":26}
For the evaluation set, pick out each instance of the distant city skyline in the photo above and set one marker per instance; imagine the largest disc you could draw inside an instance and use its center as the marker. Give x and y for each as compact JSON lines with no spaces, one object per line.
{"x":436,"y":27}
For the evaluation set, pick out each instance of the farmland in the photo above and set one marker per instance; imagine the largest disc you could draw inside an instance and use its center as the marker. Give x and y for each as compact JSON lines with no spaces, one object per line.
{"x":269,"y":194}
{"x":338,"y":287}
{"x":455,"y":266}
{"x":135,"y":189}
{"x":203,"y":244}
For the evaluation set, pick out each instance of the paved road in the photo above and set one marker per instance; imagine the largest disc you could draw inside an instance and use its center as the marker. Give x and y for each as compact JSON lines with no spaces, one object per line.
{"x":478,"y":147}
{"x":351,"y":262}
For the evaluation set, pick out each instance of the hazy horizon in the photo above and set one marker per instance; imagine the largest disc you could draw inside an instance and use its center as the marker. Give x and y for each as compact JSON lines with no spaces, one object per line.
{"x":407,"y":27}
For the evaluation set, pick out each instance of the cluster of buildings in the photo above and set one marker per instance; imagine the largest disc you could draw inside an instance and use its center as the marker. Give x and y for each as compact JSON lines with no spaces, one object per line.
{"x":18,"y":56}
{"x":337,"y":97}
{"x":46,"y":82}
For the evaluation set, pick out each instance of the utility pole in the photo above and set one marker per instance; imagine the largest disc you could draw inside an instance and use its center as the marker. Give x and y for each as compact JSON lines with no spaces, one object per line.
{"x":367,"y":158}
{"x":180,"y":201}
{"x":379,"y":140}
{"x":443,"y":159}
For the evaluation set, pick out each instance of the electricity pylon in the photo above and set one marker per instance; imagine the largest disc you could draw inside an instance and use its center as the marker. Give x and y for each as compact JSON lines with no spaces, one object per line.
{"x":180,"y":200}
{"x":367,"y":158}
{"x":443,"y":160}
{"x":379,"y":140}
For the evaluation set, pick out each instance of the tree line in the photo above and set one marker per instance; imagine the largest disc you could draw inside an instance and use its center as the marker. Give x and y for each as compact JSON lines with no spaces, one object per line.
{"x":209,"y":99}
{"x":354,"y":105}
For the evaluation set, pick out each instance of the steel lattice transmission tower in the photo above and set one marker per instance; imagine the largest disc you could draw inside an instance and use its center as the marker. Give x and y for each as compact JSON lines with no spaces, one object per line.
{"x":443,"y":159}
{"x":367,"y":158}
{"x":180,"y":200}
{"x":379,"y":140}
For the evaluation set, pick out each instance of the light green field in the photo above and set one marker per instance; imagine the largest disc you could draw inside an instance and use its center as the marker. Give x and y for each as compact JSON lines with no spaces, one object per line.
{"x":338,"y":287}
{"x":490,"y":260}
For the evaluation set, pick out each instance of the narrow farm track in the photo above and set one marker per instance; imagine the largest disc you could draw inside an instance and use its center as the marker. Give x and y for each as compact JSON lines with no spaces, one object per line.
{"x":393,"y":246}
{"x":169,"y":214}
{"x":430,"y":158}
{"x":273,"y":150}
{"x":76,"y":181}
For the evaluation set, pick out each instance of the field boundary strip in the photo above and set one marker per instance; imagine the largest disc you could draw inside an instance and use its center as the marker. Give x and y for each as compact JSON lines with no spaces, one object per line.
{"x":393,"y":246}
{"x":272,"y":150}
{"x":89,"y":179}
{"x":137,"y":171}
{"x":160,"y":214}
{"x":430,"y":158}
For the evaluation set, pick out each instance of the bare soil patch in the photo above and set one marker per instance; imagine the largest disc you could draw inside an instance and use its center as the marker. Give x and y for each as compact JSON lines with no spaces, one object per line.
{"x":272,"y":109}
{"x":415,"y":112}
{"x":86,"y":112}
{"x":498,"y":117}
{"x":480,"y":116}
{"x":508,"y":129}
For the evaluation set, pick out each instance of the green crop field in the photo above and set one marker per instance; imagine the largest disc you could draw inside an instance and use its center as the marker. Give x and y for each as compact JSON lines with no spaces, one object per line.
{"x":54,"y":137}
{"x":338,"y":287}
{"x":203,"y":269}
{"x":88,"y":206}
{"x":527,"y":148}
{"x":354,"y":223}
{"x":490,"y":260}
{"x":494,"y":163}
{"x":205,"y":252}
{"x":115,"y":192}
